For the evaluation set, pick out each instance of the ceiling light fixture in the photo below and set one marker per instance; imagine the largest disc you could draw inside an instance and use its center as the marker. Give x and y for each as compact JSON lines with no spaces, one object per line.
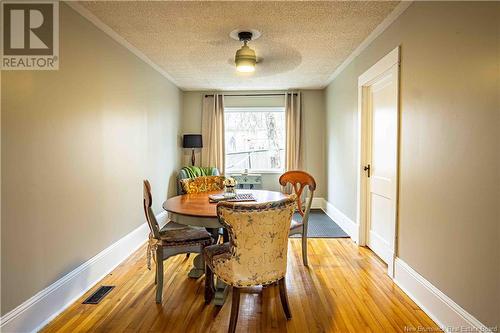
{"x":245,"y":58}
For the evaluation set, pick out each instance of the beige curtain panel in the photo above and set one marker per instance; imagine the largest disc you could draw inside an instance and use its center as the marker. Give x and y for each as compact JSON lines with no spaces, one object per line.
{"x":293,"y":123}
{"x":212,"y":120}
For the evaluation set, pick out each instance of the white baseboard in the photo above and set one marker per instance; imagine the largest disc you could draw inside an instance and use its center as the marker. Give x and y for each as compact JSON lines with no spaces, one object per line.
{"x":348,"y":225}
{"x":318,"y":203}
{"x":381,"y":247}
{"x":450,"y":316}
{"x":33,"y":314}
{"x":40,"y":309}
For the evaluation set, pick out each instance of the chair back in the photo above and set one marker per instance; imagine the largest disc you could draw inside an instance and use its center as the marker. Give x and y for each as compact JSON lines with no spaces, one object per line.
{"x":202,"y":184}
{"x":148,"y":211}
{"x":258,"y":236}
{"x":193,"y":172}
{"x":299,"y":180}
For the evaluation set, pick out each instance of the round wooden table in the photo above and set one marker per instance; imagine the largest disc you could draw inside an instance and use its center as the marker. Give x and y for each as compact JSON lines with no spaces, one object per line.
{"x":196,"y":210}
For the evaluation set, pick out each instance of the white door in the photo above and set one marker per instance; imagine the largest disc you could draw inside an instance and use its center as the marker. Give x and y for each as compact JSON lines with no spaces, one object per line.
{"x":380,"y":99}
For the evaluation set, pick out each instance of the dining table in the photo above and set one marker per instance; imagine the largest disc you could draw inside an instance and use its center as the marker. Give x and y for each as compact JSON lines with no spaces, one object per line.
{"x":196,"y":209}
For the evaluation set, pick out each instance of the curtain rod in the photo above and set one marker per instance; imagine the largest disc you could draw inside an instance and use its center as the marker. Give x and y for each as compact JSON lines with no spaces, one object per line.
{"x":250,"y":95}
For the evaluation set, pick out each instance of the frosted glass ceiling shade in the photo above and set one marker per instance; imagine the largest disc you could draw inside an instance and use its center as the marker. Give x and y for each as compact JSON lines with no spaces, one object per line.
{"x":245,"y":59}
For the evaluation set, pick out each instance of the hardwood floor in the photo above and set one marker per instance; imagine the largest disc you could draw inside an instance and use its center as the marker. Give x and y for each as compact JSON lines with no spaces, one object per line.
{"x":344,"y":290}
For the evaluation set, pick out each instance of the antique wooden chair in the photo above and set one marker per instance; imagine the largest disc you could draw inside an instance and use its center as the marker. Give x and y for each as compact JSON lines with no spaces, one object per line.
{"x":257,"y":250}
{"x":299,"y":180}
{"x":167,"y":242}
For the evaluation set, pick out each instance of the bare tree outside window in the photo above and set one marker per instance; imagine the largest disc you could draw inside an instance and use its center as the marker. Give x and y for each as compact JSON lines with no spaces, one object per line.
{"x":255,"y":139}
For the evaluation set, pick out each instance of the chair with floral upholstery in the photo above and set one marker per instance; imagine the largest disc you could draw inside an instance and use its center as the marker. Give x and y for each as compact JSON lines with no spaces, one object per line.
{"x":257,"y":250}
{"x":202,"y":184}
{"x":167,"y":242}
{"x":299,"y":180}
{"x":193,"y":172}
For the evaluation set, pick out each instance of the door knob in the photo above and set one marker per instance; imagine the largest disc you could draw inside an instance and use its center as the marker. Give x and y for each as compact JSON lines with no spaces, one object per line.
{"x":367,"y":168}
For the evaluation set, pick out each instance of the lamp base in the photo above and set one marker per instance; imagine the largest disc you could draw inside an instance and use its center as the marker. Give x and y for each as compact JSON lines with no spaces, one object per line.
{"x":192,"y":157}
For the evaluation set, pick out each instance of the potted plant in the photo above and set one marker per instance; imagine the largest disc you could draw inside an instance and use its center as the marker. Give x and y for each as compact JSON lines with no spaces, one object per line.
{"x":229,"y":187}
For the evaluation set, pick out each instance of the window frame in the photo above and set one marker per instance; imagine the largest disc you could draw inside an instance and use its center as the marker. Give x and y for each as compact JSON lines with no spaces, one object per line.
{"x":230,"y":109}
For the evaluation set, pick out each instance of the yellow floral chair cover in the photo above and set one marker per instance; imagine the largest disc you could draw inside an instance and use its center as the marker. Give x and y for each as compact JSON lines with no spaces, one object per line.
{"x":203,"y":184}
{"x":258,"y":244}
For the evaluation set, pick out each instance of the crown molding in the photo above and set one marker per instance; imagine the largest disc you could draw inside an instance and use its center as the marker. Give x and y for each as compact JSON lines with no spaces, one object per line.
{"x":400,"y":8}
{"x":119,"y":39}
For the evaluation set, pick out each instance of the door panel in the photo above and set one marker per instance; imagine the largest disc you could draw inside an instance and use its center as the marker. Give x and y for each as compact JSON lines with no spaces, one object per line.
{"x":379,"y":215}
{"x":382,"y":132}
{"x":382,"y":185}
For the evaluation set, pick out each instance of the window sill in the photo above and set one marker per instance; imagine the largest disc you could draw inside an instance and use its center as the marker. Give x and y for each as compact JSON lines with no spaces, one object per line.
{"x":260,"y":172}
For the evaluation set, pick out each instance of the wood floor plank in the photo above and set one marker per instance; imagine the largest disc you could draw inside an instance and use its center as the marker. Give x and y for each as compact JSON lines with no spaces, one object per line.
{"x":344,"y":289}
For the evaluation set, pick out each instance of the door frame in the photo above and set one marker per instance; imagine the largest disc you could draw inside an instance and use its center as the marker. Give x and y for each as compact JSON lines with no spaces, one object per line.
{"x":365,"y":80}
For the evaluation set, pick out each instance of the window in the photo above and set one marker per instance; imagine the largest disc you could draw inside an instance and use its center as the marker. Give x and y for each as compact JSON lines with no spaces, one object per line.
{"x":255,"y":139}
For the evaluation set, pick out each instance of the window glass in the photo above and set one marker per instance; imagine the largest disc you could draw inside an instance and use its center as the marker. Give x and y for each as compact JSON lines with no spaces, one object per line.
{"x":255,"y":139}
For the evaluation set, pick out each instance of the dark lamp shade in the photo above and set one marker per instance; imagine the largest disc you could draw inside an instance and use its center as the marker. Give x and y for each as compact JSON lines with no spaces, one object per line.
{"x":192,"y":141}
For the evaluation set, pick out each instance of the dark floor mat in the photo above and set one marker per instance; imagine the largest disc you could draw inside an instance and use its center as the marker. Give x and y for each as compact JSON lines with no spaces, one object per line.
{"x":321,"y":226}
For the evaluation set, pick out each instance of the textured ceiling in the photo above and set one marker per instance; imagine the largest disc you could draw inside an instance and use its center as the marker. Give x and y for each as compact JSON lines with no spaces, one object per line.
{"x":302,"y":43}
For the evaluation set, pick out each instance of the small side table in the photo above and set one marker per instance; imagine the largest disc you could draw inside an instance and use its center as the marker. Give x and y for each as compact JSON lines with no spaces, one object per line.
{"x":248,"y":181}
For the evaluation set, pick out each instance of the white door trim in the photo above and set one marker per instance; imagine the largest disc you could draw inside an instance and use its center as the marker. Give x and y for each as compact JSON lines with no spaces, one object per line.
{"x":382,"y":66}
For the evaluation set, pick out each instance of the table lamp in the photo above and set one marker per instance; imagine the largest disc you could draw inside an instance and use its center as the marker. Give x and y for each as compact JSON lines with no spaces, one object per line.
{"x":192,"y":141}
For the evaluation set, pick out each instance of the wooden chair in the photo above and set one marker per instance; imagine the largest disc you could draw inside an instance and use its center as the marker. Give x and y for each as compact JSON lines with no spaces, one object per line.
{"x":299,"y":180}
{"x":200,"y":184}
{"x":256,"y":253}
{"x":167,"y":242}
{"x":192,"y":172}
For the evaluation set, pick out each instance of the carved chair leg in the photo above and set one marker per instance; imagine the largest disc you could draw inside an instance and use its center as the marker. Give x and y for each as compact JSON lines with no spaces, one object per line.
{"x":209,"y":284}
{"x":235,"y":307}
{"x":284,"y":298}
{"x":304,"y":250}
{"x":159,"y":274}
